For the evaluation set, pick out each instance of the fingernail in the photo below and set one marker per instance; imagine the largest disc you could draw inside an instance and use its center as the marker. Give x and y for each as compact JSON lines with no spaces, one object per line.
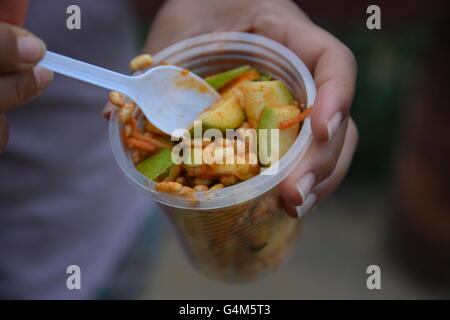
{"x":43,"y":77}
{"x":333,"y":124}
{"x":305,"y":185}
{"x":307,"y":205}
{"x":30,"y":48}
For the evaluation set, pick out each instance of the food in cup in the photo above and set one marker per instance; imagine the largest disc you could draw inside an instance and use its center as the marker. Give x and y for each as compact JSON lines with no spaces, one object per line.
{"x":249,"y":100}
{"x":237,"y":230}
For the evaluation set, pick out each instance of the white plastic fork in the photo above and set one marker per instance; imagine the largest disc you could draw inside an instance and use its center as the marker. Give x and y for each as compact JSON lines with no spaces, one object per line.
{"x":169,"y":96}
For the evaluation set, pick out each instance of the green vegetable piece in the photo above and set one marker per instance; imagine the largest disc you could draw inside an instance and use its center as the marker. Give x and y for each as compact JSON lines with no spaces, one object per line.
{"x":156,"y":165}
{"x":220,"y":80}
{"x":260,"y":94}
{"x":264,"y":77}
{"x":270,"y":119}
{"x":224,"y":114}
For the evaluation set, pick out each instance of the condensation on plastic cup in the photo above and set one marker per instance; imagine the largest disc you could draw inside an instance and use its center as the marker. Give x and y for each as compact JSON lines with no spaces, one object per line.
{"x":211,"y":53}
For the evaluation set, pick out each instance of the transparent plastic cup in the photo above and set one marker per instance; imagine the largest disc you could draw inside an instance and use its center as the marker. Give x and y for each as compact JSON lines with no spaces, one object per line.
{"x":240,"y":232}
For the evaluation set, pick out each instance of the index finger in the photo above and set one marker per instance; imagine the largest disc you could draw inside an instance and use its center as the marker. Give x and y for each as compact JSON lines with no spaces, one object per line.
{"x":334,"y":70}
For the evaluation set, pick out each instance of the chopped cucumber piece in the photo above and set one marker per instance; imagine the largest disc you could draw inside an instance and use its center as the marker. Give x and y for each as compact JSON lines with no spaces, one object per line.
{"x":224,"y":114}
{"x":157,"y":165}
{"x":219,"y":80}
{"x":270,"y":119}
{"x":260,"y":94}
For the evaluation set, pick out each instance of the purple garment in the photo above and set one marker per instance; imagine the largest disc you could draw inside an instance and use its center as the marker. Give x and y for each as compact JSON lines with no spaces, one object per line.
{"x":63,"y":199}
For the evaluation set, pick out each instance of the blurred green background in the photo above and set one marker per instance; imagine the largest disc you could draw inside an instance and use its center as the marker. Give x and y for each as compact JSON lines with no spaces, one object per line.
{"x":388,"y":61}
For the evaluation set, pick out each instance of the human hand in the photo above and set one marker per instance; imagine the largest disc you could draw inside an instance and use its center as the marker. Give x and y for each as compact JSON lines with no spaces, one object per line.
{"x":20,"y":78}
{"x":331,"y":63}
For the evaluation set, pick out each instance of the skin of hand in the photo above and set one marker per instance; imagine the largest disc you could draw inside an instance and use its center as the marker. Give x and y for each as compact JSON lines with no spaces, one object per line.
{"x":20,"y":51}
{"x":332,"y":64}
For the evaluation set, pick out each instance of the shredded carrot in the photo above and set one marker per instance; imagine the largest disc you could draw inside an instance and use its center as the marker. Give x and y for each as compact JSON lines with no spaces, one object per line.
{"x":136,"y":133}
{"x":155,"y":142}
{"x":292,"y":122}
{"x":131,"y":123}
{"x":248,"y":75}
{"x":134,"y":127}
{"x":124,"y":133}
{"x":138,"y":144}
